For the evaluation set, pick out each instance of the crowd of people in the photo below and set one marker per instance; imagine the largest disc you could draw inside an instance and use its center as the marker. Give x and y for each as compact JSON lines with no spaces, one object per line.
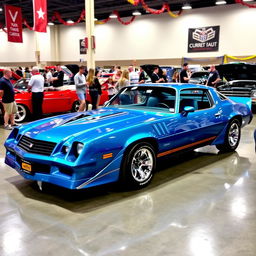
{"x":84,"y":80}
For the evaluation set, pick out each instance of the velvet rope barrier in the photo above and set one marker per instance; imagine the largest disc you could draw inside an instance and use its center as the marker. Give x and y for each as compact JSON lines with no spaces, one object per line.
{"x":246,"y":4}
{"x":57,"y":16}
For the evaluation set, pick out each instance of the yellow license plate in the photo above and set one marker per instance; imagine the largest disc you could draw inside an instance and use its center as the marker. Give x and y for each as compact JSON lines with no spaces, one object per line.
{"x":27,"y":167}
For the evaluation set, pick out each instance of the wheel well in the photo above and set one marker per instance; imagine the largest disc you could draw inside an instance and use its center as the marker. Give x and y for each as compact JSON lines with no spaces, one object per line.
{"x":239,"y":118}
{"x":151,"y":141}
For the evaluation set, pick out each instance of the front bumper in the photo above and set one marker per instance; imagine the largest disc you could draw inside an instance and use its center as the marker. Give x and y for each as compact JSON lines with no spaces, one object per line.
{"x":59,"y":172}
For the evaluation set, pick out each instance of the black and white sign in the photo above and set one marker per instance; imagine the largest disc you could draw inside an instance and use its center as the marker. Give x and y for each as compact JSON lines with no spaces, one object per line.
{"x":82,"y":46}
{"x":205,"y":39}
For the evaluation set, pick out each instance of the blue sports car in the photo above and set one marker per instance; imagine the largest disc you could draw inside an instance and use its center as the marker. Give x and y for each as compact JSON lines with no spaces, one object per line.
{"x":123,"y":140}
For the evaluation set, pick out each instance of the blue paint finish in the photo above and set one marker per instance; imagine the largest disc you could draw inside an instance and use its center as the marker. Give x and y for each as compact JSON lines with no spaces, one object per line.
{"x":112,"y":130}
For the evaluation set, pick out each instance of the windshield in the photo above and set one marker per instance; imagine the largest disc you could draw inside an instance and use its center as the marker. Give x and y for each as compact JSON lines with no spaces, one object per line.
{"x":145,"y":97}
{"x":22,"y":84}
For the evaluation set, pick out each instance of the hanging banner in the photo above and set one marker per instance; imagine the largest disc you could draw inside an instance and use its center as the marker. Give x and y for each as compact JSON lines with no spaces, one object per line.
{"x":82,"y":46}
{"x":13,"y":21}
{"x":205,"y":39}
{"x":40,"y":15}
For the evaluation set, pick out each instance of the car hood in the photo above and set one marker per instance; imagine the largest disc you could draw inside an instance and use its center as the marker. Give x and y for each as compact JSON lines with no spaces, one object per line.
{"x":86,"y":125}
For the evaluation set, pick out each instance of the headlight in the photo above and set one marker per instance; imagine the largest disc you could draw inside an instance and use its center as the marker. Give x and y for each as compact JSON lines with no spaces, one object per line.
{"x":79,"y":148}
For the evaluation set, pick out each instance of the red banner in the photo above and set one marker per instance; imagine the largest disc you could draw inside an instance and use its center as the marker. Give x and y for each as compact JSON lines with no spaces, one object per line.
{"x":13,"y":21}
{"x":40,"y":15}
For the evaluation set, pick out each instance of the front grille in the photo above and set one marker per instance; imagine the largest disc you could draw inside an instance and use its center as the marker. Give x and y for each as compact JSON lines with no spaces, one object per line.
{"x":39,"y":147}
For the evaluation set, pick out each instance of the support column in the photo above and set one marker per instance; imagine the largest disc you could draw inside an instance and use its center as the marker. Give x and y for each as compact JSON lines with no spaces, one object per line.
{"x":89,"y":23}
{"x":37,"y":50}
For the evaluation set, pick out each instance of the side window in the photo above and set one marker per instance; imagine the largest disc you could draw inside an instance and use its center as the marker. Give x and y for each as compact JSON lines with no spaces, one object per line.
{"x":221,"y":96}
{"x":197,"y":98}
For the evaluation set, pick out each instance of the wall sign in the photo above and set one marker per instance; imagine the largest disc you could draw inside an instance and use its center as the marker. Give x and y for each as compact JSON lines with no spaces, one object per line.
{"x":205,"y":39}
{"x":13,"y":21}
{"x":82,"y":46}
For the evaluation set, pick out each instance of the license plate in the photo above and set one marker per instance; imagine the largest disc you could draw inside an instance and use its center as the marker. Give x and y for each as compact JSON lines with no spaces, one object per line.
{"x":26,"y":167}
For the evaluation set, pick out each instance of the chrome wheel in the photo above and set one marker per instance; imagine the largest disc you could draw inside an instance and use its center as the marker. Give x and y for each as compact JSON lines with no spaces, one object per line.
{"x":21,"y":113}
{"x":142,"y":164}
{"x":233,"y":134}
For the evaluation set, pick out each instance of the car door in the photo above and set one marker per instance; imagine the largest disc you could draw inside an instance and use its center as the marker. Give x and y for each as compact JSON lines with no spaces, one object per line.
{"x":201,"y":126}
{"x":57,"y":101}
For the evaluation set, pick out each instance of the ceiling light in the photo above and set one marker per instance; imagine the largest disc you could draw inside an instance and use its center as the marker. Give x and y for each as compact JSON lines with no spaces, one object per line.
{"x":136,"y":13}
{"x":1,"y":9}
{"x":113,"y":16}
{"x":186,"y":7}
{"x":70,"y":21}
{"x":50,"y":23}
{"x":220,"y":2}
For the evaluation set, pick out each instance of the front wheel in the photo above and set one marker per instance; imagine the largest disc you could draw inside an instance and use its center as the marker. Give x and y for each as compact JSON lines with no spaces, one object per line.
{"x":232,"y":137}
{"x":22,"y":113}
{"x":138,"y":166}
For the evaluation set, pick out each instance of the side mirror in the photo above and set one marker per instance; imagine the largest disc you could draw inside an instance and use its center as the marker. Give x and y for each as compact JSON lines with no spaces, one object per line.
{"x":187,"y":110}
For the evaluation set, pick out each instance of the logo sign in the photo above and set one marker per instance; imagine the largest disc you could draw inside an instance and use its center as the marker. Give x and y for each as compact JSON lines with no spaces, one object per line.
{"x":205,"y":39}
{"x":13,"y":21}
{"x":82,"y":46}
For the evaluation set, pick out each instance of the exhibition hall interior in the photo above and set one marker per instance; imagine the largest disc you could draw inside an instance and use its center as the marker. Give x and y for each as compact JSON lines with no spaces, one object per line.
{"x":127,"y":127}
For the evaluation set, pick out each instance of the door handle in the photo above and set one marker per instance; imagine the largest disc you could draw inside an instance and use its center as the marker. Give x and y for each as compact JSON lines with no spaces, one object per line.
{"x":218,"y":113}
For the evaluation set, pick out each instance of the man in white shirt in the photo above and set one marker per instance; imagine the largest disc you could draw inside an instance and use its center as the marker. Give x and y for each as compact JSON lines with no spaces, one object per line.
{"x":49,"y":76}
{"x":80,"y":83}
{"x":36,"y":86}
{"x":133,"y":76}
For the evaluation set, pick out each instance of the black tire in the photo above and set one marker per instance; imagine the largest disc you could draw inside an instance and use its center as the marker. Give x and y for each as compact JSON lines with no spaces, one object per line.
{"x":22,"y":114}
{"x":129,"y":175}
{"x":232,"y":137}
{"x":75,"y":106}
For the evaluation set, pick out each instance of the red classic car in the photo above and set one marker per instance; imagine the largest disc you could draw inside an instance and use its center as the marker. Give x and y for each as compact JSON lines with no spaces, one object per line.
{"x":55,"y":100}
{"x":14,"y":77}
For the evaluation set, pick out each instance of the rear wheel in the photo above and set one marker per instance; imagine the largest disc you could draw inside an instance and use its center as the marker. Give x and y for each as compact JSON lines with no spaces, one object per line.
{"x":232,"y":137}
{"x":22,"y":113}
{"x":75,"y":106}
{"x":139,"y":166}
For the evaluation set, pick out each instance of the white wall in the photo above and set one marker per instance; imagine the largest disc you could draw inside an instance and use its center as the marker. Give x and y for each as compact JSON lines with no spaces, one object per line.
{"x":148,"y":37}
{"x":160,"y":36}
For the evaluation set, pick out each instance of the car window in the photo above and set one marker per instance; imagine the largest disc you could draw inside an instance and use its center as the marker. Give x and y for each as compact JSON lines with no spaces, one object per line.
{"x":221,"y":96}
{"x":198,"y":98}
{"x":21,"y":84}
{"x":146,"y":97}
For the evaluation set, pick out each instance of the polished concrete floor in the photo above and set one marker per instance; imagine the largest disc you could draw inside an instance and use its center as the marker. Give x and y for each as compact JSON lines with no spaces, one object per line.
{"x":199,"y":204}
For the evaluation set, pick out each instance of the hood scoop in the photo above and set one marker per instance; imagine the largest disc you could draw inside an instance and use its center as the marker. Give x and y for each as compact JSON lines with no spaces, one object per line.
{"x":89,"y":118}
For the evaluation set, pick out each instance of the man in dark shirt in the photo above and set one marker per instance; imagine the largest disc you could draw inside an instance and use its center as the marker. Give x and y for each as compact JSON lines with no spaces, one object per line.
{"x":7,"y":94}
{"x":214,"y":77}
{"x":155,"y":77}
{"x":184,"y":78}
{"x":58,"y":77}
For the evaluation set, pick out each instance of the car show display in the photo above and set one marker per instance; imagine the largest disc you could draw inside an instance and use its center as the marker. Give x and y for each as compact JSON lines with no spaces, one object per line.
{"x":121,"y":141}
